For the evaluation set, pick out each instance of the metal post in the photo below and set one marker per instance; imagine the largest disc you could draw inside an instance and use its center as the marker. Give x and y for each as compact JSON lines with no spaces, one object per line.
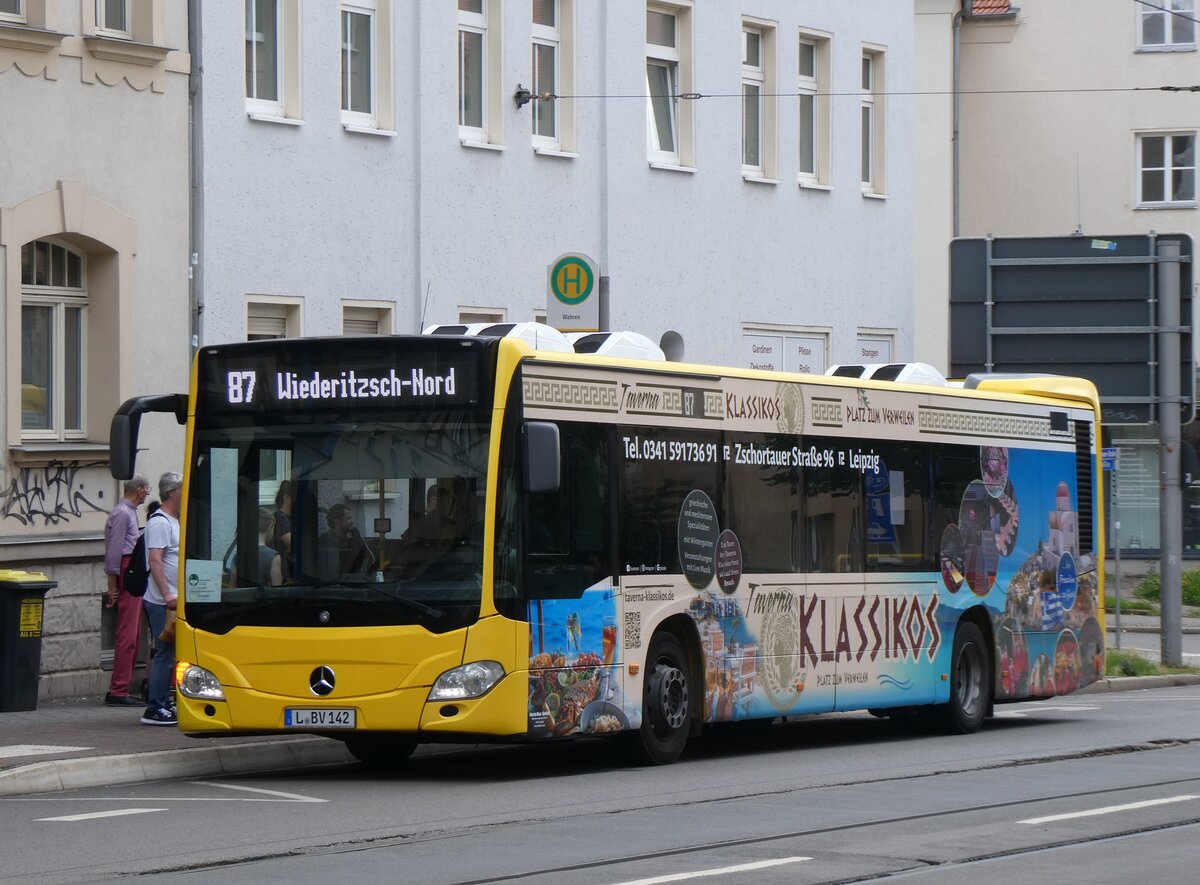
{"x":1171,"y":493}
{"x":602,"y":294}
{"x":1116,"y":520}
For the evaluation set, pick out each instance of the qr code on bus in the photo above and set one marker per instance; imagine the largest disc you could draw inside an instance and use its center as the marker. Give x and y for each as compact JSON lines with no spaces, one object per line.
{"x":633,"y":629}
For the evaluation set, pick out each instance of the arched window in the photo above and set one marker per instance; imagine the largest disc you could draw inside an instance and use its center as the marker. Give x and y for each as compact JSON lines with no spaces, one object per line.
{"x":54,"y":302}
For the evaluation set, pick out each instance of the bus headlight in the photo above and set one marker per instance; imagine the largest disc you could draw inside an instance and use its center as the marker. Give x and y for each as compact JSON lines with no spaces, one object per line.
{"x":468,"y":681}
{"x":196,"y":682}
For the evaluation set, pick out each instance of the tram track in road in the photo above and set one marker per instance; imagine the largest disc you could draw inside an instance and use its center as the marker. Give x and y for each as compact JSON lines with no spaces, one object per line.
{"x":714,"y":855}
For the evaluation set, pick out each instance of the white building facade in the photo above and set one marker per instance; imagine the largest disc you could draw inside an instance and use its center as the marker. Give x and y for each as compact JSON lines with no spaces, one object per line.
{"x":740,"y":174}
{"x":93,"y":284}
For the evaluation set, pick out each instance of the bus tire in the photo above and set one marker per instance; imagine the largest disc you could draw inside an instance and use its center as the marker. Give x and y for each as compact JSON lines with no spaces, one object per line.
{"x":970,"y":683}
{"x":666,"y":702}
{"x":384,"y":751}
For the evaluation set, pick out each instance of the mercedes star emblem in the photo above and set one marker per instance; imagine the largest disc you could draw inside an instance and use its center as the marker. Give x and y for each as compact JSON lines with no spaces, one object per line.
{"x":321,"y":681}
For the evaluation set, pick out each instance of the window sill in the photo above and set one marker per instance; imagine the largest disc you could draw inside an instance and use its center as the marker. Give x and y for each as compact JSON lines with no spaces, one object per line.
{"x":369,"y":130}
{"x":482,"y":145}
{"x":758,"y":179}
{"x":1181,"y":47}
{"x":274,"y":118}
{"x":44,"y":452}
{"x":125,"y":51}
{"x":552,"y":152}
{"x":809,"y":185}
{"x":874,"y":195}
{"x":15,"y":36}
{"x":1154,"y":207}
{"x":672,"y":167}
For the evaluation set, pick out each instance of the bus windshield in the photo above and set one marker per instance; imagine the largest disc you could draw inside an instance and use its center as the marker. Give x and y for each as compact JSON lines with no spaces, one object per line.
{"x":374,"y":520}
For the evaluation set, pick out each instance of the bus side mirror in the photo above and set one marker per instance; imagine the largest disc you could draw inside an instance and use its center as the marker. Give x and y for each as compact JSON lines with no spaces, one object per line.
{"x":541,"y":460}
{"x":123,"y":432}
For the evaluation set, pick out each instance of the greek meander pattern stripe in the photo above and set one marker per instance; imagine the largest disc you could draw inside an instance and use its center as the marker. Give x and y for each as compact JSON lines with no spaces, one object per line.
{"x":714,"y":404}
{"x":938,"y":420}
{"x":599,"y":396}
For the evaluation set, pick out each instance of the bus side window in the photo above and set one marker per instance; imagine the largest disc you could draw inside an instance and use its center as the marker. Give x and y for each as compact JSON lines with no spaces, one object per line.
{"x":833,"y":518}
{"x":567,"y":532}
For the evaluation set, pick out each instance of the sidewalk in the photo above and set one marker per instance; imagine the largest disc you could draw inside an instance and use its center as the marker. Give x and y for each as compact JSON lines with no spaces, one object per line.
{"x":72,"y":744}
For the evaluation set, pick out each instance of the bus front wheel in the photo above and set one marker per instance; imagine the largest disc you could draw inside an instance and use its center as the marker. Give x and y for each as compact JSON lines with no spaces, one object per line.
{"x":380,"y":750}
{"x":970,"y":682}
{"x":666,"y":704}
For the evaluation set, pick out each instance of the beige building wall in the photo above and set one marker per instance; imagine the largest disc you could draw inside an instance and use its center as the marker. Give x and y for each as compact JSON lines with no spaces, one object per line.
{"x":1051,"y":106}
{"x":93,"y":160}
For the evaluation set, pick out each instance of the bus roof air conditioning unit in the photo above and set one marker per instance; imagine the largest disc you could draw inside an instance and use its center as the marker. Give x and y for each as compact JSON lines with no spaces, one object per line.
{"x":630,"y":345}
{"x":909,"y":373}
{"x":539,"y":336}
{"x":849,"y":370}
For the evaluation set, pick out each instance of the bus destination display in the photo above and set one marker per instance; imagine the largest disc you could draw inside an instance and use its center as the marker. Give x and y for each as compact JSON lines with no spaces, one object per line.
{"x":396,"y":381}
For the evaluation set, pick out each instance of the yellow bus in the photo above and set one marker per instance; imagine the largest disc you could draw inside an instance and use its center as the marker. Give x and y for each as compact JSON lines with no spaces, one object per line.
{"x":497,"y":537}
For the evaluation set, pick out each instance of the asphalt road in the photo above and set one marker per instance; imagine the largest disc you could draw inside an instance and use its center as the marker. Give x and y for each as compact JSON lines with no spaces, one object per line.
{"x":1091,"y":788}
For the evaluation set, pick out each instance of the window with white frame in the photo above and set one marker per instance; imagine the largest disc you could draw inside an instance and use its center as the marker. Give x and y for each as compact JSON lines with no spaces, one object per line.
{"x":873,"y":121}
{"x":113,"y":18}
{"x":263,"y":52}
{"x":662,"y":84}
{"x":366,"y":319}
{"x":480,"y":116}
{"x":272,"y":317}
{"x":547,"y":61}
{"x":273,"y":60}
{"x":1167,"y":167}
{"x":753,"y":79}
{"x":1165,"y":25}
{"x":812,"y":88}
{"x":759,"y":101}
{"x":358,"y":63}
{"x":12,"y":11}
{"x":54,"y":303}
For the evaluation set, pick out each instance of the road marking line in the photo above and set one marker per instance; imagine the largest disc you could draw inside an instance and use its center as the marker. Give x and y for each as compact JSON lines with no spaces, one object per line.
{"x":120,"y":812}
{"x":700,"y":874}
{"x":295,"y":797}
{"x":12,"y":751}
{"x":1111,"y":809}
{"x":1041,"y":708}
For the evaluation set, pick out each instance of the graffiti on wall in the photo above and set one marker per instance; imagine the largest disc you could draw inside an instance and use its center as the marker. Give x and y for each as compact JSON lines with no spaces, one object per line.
{"x":50,"y":494}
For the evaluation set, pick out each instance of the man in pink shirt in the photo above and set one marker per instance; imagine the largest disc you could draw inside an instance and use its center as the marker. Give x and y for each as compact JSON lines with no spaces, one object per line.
{"x":120,"y":534}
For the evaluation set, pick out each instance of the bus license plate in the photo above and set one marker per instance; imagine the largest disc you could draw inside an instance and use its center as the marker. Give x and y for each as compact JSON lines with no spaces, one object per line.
{"x":324,"y":717}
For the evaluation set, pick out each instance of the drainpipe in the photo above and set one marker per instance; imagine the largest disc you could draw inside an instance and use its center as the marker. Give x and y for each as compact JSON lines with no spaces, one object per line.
{"x":195,"y":179}
{"x":957,"y":76}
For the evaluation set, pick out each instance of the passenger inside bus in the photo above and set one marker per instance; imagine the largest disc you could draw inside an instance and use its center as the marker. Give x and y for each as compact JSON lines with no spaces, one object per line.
{"x":342,"y":550}
{"x":447,"y":524}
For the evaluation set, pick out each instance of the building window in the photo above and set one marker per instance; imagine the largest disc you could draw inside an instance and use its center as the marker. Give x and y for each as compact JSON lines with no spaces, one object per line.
{"x":468,"y":315}
{"x":479,"y":60}
{"x":752,"y":100}
{"x":12,"y":11}
{"x":812,"y":87}
{"x":1167,"y":25}
{"x":668,"y":76}
{"x":358,"y":65}
{"x":272,"y":317}
{"x":54,"y":304}
{"x":262,"y":51}
{"x":759,"y":101}
{"x":551,"y":20}
{"x":273,"y":60}
{"x":1167,"y":165}
{"x":873,"y":120}
{"x":366,"y":319}
{"x":113,"y":19}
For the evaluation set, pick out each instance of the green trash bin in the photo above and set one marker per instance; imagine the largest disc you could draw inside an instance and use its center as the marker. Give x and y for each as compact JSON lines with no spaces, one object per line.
{"x":22,"y":597}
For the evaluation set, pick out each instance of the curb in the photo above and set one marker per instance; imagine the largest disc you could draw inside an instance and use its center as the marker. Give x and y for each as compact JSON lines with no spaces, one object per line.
{"x":1137,"y":683}
{"x":139,"y":768}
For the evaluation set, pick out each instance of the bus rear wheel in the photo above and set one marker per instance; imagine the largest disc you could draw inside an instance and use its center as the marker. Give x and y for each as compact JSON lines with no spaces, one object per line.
{"x":970,"y":683}
{"x":666,"y":703}
{"x":380,"y":750}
